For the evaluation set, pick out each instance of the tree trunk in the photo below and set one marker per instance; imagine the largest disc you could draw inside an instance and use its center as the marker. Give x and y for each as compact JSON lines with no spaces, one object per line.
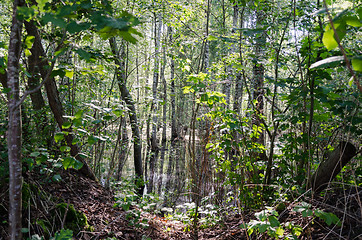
{"x":238,"y":79}
{"x":154,"y":142}
{"x":53,"y":96}
{"x":123,"y":150}
{"x":258,"y":73}
{"x":14,"y":129}
{"x":41,"y":120}
{"x":331,"y":166}
{"x":127,"y":98}
{"x":164,"y":112}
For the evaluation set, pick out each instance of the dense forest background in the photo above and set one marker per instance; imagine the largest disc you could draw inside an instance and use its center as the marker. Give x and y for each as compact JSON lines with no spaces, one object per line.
{"x":193,"y":111}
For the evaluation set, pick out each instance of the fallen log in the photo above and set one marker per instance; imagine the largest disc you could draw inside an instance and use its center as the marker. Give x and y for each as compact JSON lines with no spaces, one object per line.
{"x":332,"y":165}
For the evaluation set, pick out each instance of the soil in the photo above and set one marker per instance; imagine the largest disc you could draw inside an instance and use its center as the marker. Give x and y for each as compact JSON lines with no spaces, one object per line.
{"x":106,"y":221}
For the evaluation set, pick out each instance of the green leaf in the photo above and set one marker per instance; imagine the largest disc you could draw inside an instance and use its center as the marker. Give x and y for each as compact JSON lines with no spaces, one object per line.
{"x":71,"y":162}
{"x":118,"y":112}
{"x":261,"y":216}
{"x":243,"y":225}
{"x":107,"y":117}
{"x":50,"y":18}
{"x":83,"y":54}
{"x":69,"y":73}
{"x":329,"y":40}
{"x":350,"y":81}
{"x":57,"y":178}
{"x":329,"y":218}
{"x":211,"y":38}
{"x":279,"y":231}
{"x":357,"y":63}
{"x":58,"y":137}
{"x":67,"y":161}
{"x":328,"y":62}
{"x":263,"y":227}
{"x":127,"y":36}
{"x":66,"y":125}
{"x":353,"y":21}
{"x":41,"y":4}
{"x":29,"y":40}
{"x":64,"y":149}
{"x":77,"y":165}
{"x":92,"y":140}
{"x":64,"y":234}
{"x":250,"y":231}
{"x":274,"y":222}
{"x":304,"y":208}
{"x":79,"y":114}
{"x":74,"y":27}
{"x":25,"y":13}
{"x":34,"y":154}
{"x":58,"y":72}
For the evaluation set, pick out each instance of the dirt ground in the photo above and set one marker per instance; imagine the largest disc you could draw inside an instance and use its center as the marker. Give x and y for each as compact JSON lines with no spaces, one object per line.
{"x":107,"y":221}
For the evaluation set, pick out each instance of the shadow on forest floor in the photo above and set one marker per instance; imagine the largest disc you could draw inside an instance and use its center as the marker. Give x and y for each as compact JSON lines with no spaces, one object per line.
{"x":107,"y":222}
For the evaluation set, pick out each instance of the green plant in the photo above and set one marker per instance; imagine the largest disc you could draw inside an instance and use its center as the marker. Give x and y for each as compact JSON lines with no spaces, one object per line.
{"x":64,"y":234}
{"x":267,"y":222}
{"x":74,"y":220}
{"x":306,"y":211}
{"x":208,"y":214}
{"x":128,"y":200}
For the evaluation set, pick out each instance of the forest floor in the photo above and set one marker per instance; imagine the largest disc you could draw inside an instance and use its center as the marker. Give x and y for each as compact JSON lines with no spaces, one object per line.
{"x":109,"y":222}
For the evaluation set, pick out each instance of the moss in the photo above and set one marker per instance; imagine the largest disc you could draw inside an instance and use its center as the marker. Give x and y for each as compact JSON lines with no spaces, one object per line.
{"x":74,"y":220}
{"x":27,"y":191}
{"x":26,"y":194}
{"x":45,"y":227}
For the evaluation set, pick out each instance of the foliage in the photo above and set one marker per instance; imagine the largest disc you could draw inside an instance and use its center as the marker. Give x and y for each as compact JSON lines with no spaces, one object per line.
{"x":309,"y":60}
{"x":64,"y":234}
{"x":128,"y":200}
{"x":268,"y":223}
{"x":74,"y":220}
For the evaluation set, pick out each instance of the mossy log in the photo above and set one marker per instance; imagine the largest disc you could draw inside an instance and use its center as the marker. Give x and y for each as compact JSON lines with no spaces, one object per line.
{"x":332,"y":165}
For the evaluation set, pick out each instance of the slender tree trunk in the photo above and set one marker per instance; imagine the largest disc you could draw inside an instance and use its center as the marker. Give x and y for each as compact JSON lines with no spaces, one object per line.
{"x":173,"y":116}
{"x":154,"y":141}
{"x":123,"y":150}
{"x":238,"y":79}
{"x":41,"y":120}
{"x":207,"y":45}
{"x":127,"y":98}
{"x":229,"y":69}
{"x":112,"y":163}
{"x":164,"y":112}
{"x":14,"y":129}
{"x":258,"y":75}
{"x":53,"y":97}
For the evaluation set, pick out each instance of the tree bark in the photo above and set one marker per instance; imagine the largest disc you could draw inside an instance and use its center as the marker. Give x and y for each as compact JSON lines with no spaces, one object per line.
{"x":173,"y":116}
{"x":127,"y":98}
{"x":123,"y":150}
{"x":154,"y":142}
{"x":14,"y":128}
{"x":258,"y":72}
{"x":330,"y":167}
{"x":53,"y":96}
{"x":41,"y":121}
{"x":164,"y":112}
